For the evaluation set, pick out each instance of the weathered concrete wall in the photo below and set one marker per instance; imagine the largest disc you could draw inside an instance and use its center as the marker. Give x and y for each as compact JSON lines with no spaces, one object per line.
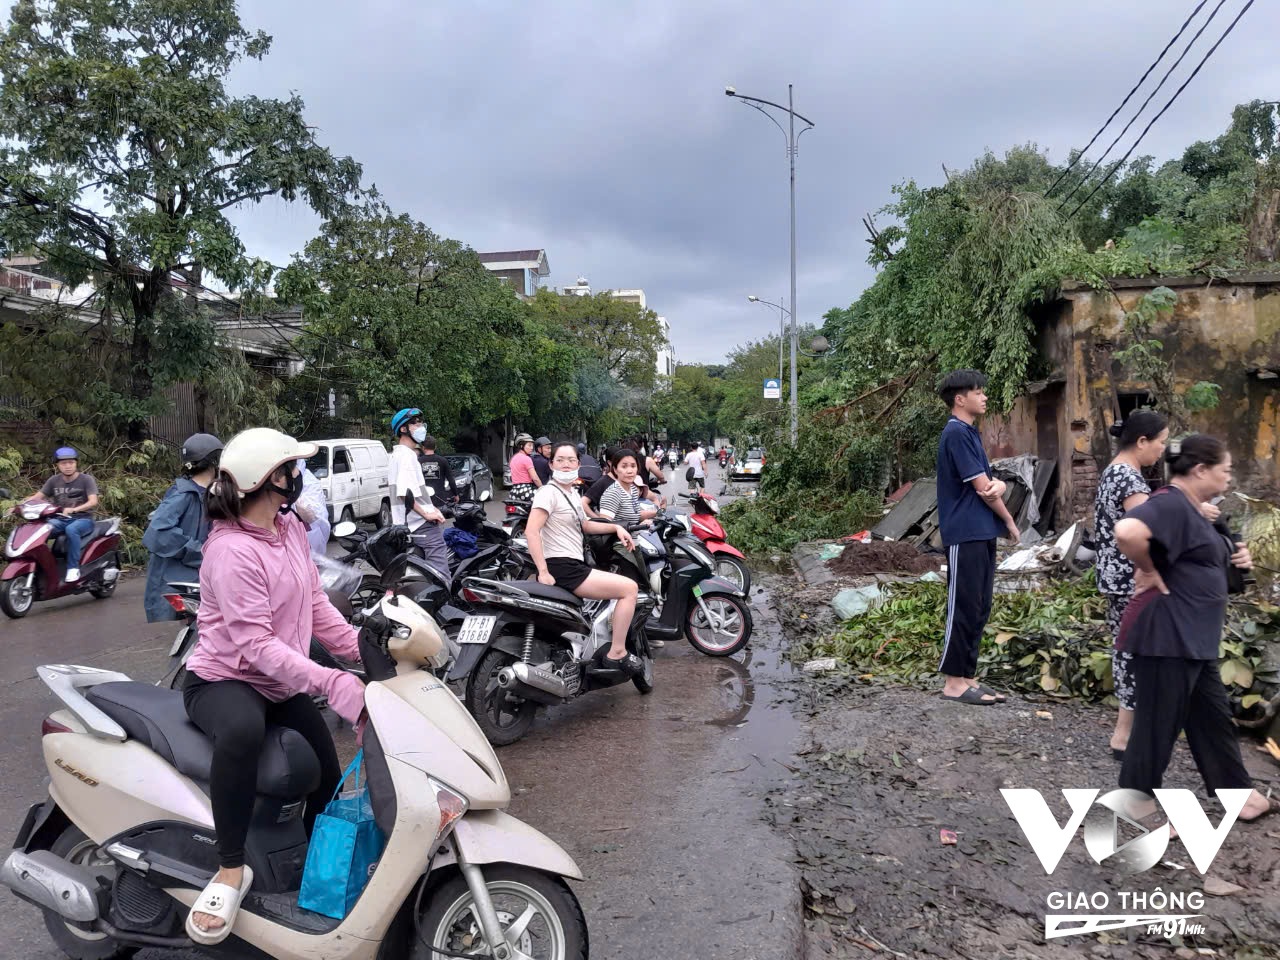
{"x":1223,"y":332}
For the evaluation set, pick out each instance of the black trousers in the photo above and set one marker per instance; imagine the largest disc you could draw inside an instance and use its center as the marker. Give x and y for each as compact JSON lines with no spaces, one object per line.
{"x":235,"y":717}
{"x":1174,"y":695}
{"x":971,"y":574}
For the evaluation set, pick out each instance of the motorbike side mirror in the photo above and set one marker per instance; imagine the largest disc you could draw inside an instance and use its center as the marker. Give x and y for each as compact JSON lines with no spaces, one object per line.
{"x":344,"y":529}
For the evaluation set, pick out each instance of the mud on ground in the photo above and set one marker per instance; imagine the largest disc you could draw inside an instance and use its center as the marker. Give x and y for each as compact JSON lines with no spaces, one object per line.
{"x":886,"y":768}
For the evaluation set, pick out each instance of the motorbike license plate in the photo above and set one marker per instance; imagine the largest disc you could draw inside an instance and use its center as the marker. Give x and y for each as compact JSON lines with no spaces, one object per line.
{"x":476,"y":629}
{"x":697,"y":591}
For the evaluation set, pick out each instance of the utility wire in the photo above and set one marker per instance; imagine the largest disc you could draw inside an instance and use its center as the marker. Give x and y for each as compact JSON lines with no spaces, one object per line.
{"x":1085,"y":178}
{"x":1141,"y":80}
{"x":1204,"y":60}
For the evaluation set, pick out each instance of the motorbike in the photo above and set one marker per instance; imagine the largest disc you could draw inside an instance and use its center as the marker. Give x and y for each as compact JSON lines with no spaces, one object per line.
{"x":711,"y":612}
{"x":37,"y":566}
{"x":704,"y":523}
{"x":124,"y":842}
{"x":517,"y":516}
{"x":525,"y":645}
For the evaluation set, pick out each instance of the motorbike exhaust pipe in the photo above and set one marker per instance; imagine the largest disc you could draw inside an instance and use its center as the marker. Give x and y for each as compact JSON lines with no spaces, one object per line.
{"x":540,"y":687}
{"x":51,"y":883}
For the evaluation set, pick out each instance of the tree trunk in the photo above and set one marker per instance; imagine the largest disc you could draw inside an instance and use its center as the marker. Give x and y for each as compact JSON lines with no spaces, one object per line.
{"x":1263,"y":235}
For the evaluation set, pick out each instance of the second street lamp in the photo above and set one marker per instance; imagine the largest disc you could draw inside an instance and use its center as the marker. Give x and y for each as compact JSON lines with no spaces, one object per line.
{"x":792,"y":139}
{"x":782,"y":334}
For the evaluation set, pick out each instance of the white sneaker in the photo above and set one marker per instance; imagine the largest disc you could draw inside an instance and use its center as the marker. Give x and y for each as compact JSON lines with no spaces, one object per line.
{"x":73,"y":574}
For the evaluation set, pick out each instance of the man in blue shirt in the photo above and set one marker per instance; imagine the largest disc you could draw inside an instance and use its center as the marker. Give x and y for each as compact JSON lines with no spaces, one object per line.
{"x":972,"y":516}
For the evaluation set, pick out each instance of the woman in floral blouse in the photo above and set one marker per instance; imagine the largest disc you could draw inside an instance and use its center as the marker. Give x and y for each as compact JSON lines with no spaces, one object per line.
{"x":1121,"y":488}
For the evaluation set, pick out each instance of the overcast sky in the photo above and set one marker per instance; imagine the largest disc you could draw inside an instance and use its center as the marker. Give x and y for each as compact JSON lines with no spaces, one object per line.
{"x":600,"y":131}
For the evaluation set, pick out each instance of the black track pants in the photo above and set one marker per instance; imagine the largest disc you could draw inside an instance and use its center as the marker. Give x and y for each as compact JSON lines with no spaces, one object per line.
{"x":971,"y":572}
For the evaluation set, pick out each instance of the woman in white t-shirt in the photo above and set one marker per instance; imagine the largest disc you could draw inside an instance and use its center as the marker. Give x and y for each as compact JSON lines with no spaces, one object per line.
{"x":556,"y":533}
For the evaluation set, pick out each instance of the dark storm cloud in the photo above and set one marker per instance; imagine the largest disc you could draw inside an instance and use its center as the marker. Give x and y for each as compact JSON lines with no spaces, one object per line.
{"x":600,"y":131}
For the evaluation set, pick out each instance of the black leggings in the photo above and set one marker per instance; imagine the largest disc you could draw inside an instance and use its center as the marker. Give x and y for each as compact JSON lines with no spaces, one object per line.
{"x":235,"y":717}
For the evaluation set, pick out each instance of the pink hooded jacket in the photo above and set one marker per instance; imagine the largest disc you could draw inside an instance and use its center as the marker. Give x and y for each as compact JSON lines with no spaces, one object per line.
{"x":260,"y":605}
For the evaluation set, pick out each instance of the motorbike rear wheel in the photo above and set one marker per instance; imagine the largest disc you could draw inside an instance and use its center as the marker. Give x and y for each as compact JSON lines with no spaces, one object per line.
{"x":74,"y":847}
{"x":537,"y":911}
{"x":726,"y":632}
{"x":502,"y":721}
{"x":106,"y":588}
{"x":734,"y":570}
{"x":15,"y":599}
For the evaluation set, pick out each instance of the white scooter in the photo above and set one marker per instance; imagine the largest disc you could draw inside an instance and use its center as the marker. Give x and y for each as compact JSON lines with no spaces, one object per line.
{"x":125,"y":842}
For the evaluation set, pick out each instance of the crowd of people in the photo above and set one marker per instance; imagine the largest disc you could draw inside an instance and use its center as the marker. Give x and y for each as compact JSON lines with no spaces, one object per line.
{"x":1166,"y":564}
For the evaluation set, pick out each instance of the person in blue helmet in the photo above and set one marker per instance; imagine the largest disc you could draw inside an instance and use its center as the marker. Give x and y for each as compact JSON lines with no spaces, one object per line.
{"x":75,"y":494}
{"x":404,"y":476}
{"x":178,"y":527}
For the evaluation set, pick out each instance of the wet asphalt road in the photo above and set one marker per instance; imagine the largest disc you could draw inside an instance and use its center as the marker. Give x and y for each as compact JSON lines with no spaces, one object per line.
{"x":657,"y":798}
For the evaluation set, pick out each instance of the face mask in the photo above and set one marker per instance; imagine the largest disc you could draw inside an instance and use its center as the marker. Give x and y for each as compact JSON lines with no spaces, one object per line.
{"x":418,"y":433}
{"x":565,"y":476}
{"x":291,"y":491}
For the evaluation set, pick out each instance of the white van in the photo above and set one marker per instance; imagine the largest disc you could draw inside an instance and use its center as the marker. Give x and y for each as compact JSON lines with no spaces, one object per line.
{"x":354,"y":476}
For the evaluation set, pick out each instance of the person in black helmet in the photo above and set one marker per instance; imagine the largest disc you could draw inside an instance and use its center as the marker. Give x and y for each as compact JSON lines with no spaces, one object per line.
{"x":542,"y":460}
{"x":589,"y":469}
{"x":177,"y":529}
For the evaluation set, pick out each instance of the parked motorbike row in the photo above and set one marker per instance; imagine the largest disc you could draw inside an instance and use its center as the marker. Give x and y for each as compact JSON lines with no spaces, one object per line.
{"x":124,"y":842}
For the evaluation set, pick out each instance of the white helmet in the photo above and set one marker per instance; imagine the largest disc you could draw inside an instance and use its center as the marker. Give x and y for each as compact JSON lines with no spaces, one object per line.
{"x":252,"y":456}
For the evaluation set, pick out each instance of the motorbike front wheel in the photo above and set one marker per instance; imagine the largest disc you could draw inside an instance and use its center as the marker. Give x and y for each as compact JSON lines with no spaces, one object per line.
{"x":15,"y":598}
{"x":503,"y":719}
{"x":734,"y":570}
{"x":723,"y":629}
{"x":539,"y":915}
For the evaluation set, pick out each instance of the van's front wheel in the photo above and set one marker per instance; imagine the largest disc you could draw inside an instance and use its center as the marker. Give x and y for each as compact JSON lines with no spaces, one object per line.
{"x":539,"y":915}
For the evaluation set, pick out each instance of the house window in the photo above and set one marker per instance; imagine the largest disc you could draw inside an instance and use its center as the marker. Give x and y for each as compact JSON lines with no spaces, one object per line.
{"x":1133,"y":400}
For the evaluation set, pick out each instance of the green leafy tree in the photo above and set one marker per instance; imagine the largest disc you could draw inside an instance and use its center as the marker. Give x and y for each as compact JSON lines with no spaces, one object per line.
{"x":623,"y":337}
{"x":688,"y":404}
{"x":124,"y":153}
{"x":396,"y":315}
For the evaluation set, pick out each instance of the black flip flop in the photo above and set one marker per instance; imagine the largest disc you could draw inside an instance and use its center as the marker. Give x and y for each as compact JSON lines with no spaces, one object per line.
{"x":971,"y":695}
{"x":1000,"y":697}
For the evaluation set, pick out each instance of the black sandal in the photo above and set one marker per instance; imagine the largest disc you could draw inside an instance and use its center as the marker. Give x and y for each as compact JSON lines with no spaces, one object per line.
{"x":971,"y":695}
{"x":630,"y":664}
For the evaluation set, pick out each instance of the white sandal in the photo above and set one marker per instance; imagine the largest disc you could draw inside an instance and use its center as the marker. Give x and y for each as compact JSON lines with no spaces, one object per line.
{"x":219,"y":900}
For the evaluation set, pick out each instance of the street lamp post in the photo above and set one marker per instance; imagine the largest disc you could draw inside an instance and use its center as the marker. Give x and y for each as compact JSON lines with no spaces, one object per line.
{"x":782,"y":334}
{"x":792,"y":139}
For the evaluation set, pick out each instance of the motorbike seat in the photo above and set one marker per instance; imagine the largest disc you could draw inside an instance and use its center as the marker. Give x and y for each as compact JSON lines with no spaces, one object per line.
{"x":540,"y":590}
{"x":287,"y":769}
{"x":100,"y":529}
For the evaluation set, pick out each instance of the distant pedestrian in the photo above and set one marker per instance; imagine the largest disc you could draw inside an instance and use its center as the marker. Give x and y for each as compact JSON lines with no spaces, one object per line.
{"x":1122,"y":487}
{"x":696,"y":474}
{"x":972,"y":516}
{"x":1173,"y":626}
{"x":542,"y":460}
{"x":589,"y":469}
{"x":524,"y":479}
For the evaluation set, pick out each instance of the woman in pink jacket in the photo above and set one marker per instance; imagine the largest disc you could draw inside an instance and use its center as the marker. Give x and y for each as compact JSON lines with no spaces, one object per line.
{"x":260,"y":605}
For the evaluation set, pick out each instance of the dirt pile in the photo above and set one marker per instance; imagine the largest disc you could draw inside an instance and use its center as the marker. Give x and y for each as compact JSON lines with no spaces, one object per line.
{"x":882,"y":556}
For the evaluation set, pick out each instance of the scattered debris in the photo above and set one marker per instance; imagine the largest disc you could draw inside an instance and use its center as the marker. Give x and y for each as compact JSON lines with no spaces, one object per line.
{"x":861,"y":559}
{"x":1217,"y":887}
{"x":948,"y":837}
{"x":821,"y":665}
{"x":856,"y":601}
{"x":1044,"y":715}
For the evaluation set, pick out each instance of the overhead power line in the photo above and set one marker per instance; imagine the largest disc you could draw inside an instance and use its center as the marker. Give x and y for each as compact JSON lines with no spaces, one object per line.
{"x":1176,"y":93}
{"x":1141,"y":80}
{"x":1085,"y":178}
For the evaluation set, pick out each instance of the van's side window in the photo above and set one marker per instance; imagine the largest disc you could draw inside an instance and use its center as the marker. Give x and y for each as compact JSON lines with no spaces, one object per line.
{"x":341,"y":463}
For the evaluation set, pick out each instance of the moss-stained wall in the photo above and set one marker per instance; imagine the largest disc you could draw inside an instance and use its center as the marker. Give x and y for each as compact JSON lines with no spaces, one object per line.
{"x":1226,"y":332}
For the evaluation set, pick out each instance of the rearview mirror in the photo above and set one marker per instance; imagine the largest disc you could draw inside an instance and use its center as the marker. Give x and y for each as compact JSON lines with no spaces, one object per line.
{"x":344,"y":529}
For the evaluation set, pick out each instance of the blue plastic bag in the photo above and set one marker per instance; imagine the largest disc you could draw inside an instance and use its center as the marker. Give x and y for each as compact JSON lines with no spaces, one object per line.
{"x":345,"y":845}
{"x":464,"y":544}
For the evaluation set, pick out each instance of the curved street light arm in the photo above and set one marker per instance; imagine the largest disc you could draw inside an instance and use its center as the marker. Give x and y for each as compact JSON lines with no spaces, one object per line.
{"x":776,"y":306}
{"x":767,"y":114}
{"x":776,"y":105}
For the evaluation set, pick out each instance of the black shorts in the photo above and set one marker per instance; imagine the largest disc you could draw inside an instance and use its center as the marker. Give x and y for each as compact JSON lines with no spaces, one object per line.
{"x":569,"y":574}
